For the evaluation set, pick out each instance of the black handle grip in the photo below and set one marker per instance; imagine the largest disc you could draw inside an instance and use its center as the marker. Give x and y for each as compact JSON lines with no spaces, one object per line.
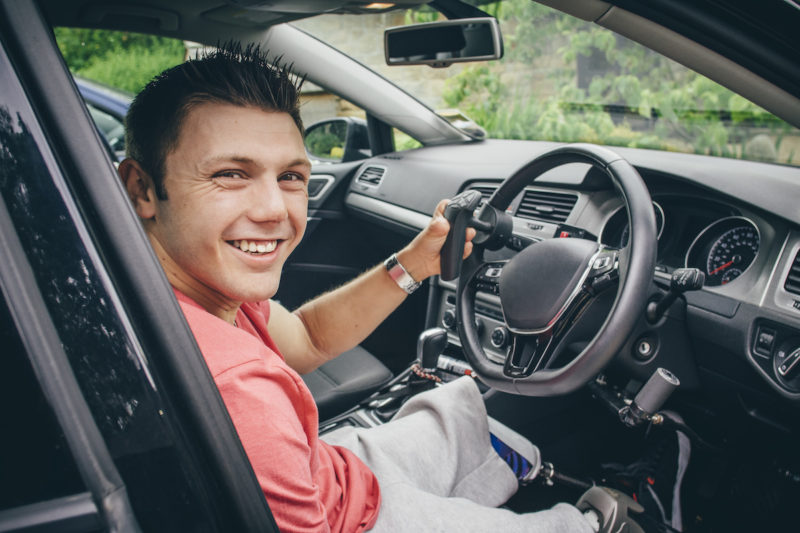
{"x":687,"y":279}
{"x":458,"y":212}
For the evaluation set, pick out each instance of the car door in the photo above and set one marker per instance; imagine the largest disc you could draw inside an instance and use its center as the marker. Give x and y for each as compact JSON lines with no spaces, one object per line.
{"x":99,"y":325}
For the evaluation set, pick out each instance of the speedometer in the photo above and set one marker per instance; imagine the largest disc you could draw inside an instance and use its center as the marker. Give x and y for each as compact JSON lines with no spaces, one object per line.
{"x":732,"y":253}
{"x":725,"y":250}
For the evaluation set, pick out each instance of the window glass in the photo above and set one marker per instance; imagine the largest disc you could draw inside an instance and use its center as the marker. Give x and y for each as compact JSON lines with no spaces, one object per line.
{"x":317,"y":104}
{"x":120,"y":59}
{"x":565,"y":79}
{"x":326,"y":142}
{"x":113,"y":129}
{"x":35,"y":463}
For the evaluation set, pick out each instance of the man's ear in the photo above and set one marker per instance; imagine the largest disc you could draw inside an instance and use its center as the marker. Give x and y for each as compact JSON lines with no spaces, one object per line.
{"x":140,"y":187}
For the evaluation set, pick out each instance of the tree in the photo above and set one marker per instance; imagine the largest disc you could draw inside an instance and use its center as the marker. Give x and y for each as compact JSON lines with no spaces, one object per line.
{"x":123,"y":60}
{"x":603,"y":88}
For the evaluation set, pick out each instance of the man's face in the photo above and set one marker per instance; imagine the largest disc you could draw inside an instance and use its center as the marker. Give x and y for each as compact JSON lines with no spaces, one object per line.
{"x":236,"y":204}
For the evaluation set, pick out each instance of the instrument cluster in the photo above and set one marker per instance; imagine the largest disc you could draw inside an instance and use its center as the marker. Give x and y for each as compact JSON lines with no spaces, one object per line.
{"x":710,"y":236}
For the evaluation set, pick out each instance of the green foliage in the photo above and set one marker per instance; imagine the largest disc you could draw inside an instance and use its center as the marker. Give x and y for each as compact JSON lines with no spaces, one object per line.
{"x":323,"y":143}
{"x":637,"y":98}
{"x":403,"y":141}
{"x":120,"y":59}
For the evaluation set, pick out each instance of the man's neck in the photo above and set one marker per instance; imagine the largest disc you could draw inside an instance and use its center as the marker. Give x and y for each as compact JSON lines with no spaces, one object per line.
{"x":209,"y":300}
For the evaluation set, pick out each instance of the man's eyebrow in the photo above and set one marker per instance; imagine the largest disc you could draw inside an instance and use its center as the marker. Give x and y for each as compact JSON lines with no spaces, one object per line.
{"x":236,"y":158}
{"x":300,"y":162}
{"x":224,"y":158}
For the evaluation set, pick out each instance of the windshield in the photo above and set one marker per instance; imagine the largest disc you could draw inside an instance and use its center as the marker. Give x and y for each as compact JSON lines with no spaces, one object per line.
{"x":564,"y":79}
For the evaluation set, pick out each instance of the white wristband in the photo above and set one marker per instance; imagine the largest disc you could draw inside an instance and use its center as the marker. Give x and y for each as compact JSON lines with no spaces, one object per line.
{"x":400,"y":275}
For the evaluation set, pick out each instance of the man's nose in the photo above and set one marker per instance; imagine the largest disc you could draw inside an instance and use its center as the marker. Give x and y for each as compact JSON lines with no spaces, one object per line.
{"x":266,"y":201}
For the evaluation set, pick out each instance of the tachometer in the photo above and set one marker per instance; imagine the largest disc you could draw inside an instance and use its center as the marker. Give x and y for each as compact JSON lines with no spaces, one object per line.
{"x":725,"y":250}
{"x":616,"y":230}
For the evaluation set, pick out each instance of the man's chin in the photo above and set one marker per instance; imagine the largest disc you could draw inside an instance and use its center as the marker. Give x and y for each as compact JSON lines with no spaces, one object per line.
{"x":252,"y":295}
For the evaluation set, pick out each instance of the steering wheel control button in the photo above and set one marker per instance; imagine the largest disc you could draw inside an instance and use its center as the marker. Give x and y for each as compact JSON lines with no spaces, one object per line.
{"x":605,"y":262}
{"x":493,"y":272}
{"x":488,"y":280}
{"x":601,"y":262}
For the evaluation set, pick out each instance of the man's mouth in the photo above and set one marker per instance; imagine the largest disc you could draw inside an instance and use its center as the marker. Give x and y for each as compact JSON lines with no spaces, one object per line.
{"x":254,"y":247}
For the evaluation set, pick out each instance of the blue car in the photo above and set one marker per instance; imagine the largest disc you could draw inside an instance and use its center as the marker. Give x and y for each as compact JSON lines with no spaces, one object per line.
{"x":108,"y":108}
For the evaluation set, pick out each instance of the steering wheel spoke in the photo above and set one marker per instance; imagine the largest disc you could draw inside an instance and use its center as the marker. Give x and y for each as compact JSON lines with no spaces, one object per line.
{"x":527,"y":354}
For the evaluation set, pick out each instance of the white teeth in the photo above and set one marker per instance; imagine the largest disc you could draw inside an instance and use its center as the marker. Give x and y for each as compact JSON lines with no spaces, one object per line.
{"x":253,"y":247}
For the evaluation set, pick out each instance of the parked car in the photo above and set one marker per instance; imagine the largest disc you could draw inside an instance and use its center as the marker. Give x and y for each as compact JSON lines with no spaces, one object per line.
{"x":108,"y":107}
{"x":111,"y":420}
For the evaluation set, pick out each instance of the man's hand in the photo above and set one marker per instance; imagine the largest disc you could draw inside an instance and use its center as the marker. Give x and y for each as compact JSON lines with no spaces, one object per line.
{"x":336,"y":321}
{"x":421,"y":258}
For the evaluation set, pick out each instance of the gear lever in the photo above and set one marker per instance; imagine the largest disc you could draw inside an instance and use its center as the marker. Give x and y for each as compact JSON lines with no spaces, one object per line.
{"x":430,"y":345}
{"x":423,"y":374}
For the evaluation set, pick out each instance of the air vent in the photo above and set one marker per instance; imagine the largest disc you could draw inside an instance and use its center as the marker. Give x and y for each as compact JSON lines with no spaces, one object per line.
{"x":486,"y":192}
{"x":371,"y":176}
{"x":545,"y":205}
{"x":793,"y":278}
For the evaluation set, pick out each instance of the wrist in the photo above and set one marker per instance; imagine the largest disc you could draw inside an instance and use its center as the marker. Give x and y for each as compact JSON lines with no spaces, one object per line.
{"x":415,"y":268}
{"x":397,"y":271}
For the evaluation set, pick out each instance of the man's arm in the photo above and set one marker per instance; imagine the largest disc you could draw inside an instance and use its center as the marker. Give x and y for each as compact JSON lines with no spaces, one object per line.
{"x":339,"y":320}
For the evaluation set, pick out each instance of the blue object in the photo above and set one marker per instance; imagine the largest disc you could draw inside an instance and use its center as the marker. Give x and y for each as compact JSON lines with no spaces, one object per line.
{"x":516,"y":462}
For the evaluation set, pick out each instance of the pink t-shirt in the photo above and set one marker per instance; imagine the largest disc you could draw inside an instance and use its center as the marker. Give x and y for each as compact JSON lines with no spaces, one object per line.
{"x":310,"y":485}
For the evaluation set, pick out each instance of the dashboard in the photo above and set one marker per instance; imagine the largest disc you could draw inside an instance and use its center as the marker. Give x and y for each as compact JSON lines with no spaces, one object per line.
{"x":736,"y":221}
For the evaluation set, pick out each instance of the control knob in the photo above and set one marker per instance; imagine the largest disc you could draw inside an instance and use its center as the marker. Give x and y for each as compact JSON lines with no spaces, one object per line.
{"x":449,"y":319}
{"x":499,"y":338}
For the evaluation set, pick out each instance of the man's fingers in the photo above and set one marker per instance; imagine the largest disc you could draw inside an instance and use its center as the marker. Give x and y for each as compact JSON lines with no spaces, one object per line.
{"x":439,"y":225}
{"x":440,"y":207}
{"x":471,"y":232}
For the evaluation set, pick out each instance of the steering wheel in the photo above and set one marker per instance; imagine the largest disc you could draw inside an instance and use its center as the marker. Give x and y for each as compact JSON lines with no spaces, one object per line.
{"x":546,"y":288}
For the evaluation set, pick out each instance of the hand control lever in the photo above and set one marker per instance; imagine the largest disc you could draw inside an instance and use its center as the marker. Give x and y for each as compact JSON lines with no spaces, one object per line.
{"x":458,"y":213}
{"x":430,"y":345}
{"x":683,"y":280}
{"x":650,"y":398}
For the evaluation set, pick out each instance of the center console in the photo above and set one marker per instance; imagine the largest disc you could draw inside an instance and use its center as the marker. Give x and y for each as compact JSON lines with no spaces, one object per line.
{"x":488,"y":322}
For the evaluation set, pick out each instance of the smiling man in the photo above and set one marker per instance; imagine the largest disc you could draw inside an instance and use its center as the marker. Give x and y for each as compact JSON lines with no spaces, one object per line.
{"x":238,"y":180}
{"x":217,"y":171}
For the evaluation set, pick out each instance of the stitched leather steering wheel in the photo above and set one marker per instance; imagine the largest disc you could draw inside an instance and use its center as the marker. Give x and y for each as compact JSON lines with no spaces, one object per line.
{"x":547,"y":287}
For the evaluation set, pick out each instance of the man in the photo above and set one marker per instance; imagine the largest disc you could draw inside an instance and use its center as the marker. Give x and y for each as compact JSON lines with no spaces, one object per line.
{"x":217,"y":171}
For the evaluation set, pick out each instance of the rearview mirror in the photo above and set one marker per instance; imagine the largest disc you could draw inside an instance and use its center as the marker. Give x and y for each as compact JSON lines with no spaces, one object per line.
{"x":441,"y":43}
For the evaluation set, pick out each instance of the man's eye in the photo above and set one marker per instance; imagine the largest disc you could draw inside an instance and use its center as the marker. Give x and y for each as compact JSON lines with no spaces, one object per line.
{"x":293,"y":177}
{"x":229,"y":174}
